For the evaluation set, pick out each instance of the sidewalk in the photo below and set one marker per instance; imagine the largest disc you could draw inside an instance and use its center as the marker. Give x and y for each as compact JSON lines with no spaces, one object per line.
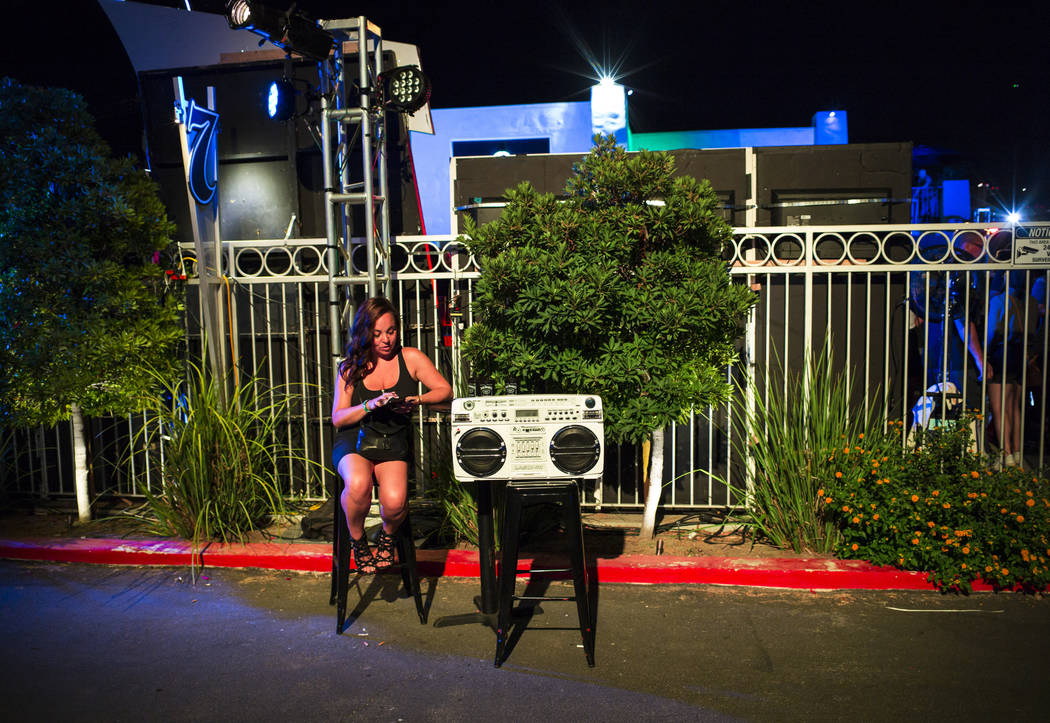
{"x":315,"y":556}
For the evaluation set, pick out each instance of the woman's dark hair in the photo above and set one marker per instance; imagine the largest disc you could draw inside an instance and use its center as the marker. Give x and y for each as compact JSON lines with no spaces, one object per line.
{"x":360,"y":355}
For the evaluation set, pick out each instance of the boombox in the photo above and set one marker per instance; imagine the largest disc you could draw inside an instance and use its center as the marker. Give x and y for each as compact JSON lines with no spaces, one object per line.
{"x":528,"y":436}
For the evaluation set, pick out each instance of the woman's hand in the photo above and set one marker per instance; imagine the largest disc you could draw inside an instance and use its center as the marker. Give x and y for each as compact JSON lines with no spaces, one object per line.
{"x":381,"y":401}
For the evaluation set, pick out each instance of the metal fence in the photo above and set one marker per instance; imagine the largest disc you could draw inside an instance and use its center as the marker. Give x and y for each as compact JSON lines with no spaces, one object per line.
{"x":893,"y":303}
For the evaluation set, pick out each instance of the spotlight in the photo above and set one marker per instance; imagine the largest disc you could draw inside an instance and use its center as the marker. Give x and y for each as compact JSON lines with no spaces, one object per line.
{"x":1013,"y":217}
{"x":280,"y":100}
{"x":294,"y":33}
{"x":406,"y":89}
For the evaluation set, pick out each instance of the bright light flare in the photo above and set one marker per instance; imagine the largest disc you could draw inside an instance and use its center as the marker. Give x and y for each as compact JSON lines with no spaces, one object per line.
{"x":1013,"y":217}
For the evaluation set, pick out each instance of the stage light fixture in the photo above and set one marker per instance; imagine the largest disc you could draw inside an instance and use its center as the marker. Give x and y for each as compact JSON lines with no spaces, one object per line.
{"x":406,"y":89}
{"x":280,"y":100}
{"x":292,"y":32}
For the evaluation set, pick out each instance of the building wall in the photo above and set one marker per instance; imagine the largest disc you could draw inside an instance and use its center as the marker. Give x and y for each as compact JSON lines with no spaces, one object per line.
{"x":797,"y":185}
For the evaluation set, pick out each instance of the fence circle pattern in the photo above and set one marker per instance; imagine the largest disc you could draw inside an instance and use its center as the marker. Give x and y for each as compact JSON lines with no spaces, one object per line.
{"x":248,"y":262}
{"x":829,"y":249}
{"x":278,"y":261}
{"x":752,"y":242}
{"x":864,"y":248}
{"x":860,"y":242}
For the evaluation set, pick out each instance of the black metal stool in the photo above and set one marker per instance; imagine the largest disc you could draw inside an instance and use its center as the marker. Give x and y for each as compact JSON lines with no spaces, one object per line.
{"x":406,"y":561}
{"x":519,"y":495}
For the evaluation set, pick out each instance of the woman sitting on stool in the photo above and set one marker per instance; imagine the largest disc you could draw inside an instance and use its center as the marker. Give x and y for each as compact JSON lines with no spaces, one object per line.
{"x":375,"y":394}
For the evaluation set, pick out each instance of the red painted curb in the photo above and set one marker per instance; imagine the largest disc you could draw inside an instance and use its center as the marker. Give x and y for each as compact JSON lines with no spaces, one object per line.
{"x":788,"y":573}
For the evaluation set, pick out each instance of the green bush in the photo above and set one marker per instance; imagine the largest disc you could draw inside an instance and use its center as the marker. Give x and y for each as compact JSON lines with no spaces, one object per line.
{"x":940,"y":509}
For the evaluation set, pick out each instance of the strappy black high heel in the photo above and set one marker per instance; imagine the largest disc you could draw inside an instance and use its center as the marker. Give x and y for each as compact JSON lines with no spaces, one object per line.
{"x":364,"y":561}
{"x":385,"y":554}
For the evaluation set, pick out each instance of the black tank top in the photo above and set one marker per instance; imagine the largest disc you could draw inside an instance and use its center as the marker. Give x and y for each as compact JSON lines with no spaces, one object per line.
{"x":384,"y":419}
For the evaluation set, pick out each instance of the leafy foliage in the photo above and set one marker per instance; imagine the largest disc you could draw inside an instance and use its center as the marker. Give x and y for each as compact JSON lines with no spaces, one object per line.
{"x":940,"y":508}
{"x":618,"y":291}
{"x":83,"y":310}
{"x":221,"y":458}
{"x":801,"y":437}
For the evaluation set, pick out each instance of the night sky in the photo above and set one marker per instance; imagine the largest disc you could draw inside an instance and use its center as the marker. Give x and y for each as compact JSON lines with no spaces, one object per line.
{"x":965,"y":79}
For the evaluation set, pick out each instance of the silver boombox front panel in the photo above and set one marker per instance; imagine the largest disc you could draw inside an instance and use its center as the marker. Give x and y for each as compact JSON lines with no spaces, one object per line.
{"x":528,"y":436}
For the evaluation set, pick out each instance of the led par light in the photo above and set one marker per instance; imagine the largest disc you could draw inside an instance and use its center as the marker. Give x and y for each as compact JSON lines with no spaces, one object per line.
{"x":406,"y":89}
{"x":280,"y":100}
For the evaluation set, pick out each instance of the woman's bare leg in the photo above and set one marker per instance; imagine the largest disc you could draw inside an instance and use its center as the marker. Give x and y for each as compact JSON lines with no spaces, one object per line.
{"x":356,"y":498}
{"x":1012,"y":419}
{"x":393,"y":493}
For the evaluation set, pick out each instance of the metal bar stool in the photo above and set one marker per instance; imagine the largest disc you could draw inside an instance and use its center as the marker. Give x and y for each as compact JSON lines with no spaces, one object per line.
{"x":406,"y":561}
{"x":519,"y":495}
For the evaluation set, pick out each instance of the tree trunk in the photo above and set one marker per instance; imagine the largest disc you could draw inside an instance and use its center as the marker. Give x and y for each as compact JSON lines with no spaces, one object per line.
{"x":80,"y":472}
{"x":654,"y":484}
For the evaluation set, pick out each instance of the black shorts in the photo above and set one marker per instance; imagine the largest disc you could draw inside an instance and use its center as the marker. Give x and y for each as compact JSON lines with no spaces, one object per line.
{"x":1015,"y":363}
{"x":344,"y":442}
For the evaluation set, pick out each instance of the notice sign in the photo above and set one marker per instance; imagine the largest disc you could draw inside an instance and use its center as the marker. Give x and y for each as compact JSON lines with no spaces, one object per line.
{"x":1032,"y":245}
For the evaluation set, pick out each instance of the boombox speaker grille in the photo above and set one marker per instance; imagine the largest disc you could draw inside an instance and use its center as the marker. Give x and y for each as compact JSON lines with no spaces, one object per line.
{"x":575,"y":449}
{"x":481,"y":452}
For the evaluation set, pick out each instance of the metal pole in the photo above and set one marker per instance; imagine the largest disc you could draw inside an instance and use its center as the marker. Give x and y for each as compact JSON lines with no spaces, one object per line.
{"x":366,"y":151}
{"x":330,"y":221}
{"x":384,"y":208}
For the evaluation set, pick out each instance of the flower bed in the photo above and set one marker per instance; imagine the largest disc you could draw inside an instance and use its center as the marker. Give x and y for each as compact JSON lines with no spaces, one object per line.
{"x":941,"y":509}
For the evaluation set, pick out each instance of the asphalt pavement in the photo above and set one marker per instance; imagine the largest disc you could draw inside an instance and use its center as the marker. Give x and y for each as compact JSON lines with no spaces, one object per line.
{"x":98,"y":642}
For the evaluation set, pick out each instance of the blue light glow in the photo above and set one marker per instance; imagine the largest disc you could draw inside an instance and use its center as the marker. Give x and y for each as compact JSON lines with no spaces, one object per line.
{"x":1013,"y":217}
{"x":271,"y":99}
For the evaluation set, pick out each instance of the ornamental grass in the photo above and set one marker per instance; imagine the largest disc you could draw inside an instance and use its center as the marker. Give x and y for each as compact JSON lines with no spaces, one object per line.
{"x":224,"y":448}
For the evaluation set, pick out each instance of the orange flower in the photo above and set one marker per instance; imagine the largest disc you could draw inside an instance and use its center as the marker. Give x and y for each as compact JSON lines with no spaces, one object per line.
{"x":975,"y":474}
{"x":946,"y":505}
{"x":914,"y":498}
{"x":988,"y":568}
{"x":1004,"y":571}
{"x":915,"y":540}
{"x":936,"y":492}
{"x":1029,"y":502}
{"x":966,"y":549}
{"x":861,"y":435}
{"x":855,"y":519}
{"x":845,"y":508}
{"x":875,"y":516}
{"x":827,"y":500}
{"x":930,"y":523}
{"x":963,"y":566}
{"x":854,"y":546}
{"x":820,"y":493}
{"x":838,"y":475}
{"x":1002,"y":510}
{"x":1020,"y":518}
